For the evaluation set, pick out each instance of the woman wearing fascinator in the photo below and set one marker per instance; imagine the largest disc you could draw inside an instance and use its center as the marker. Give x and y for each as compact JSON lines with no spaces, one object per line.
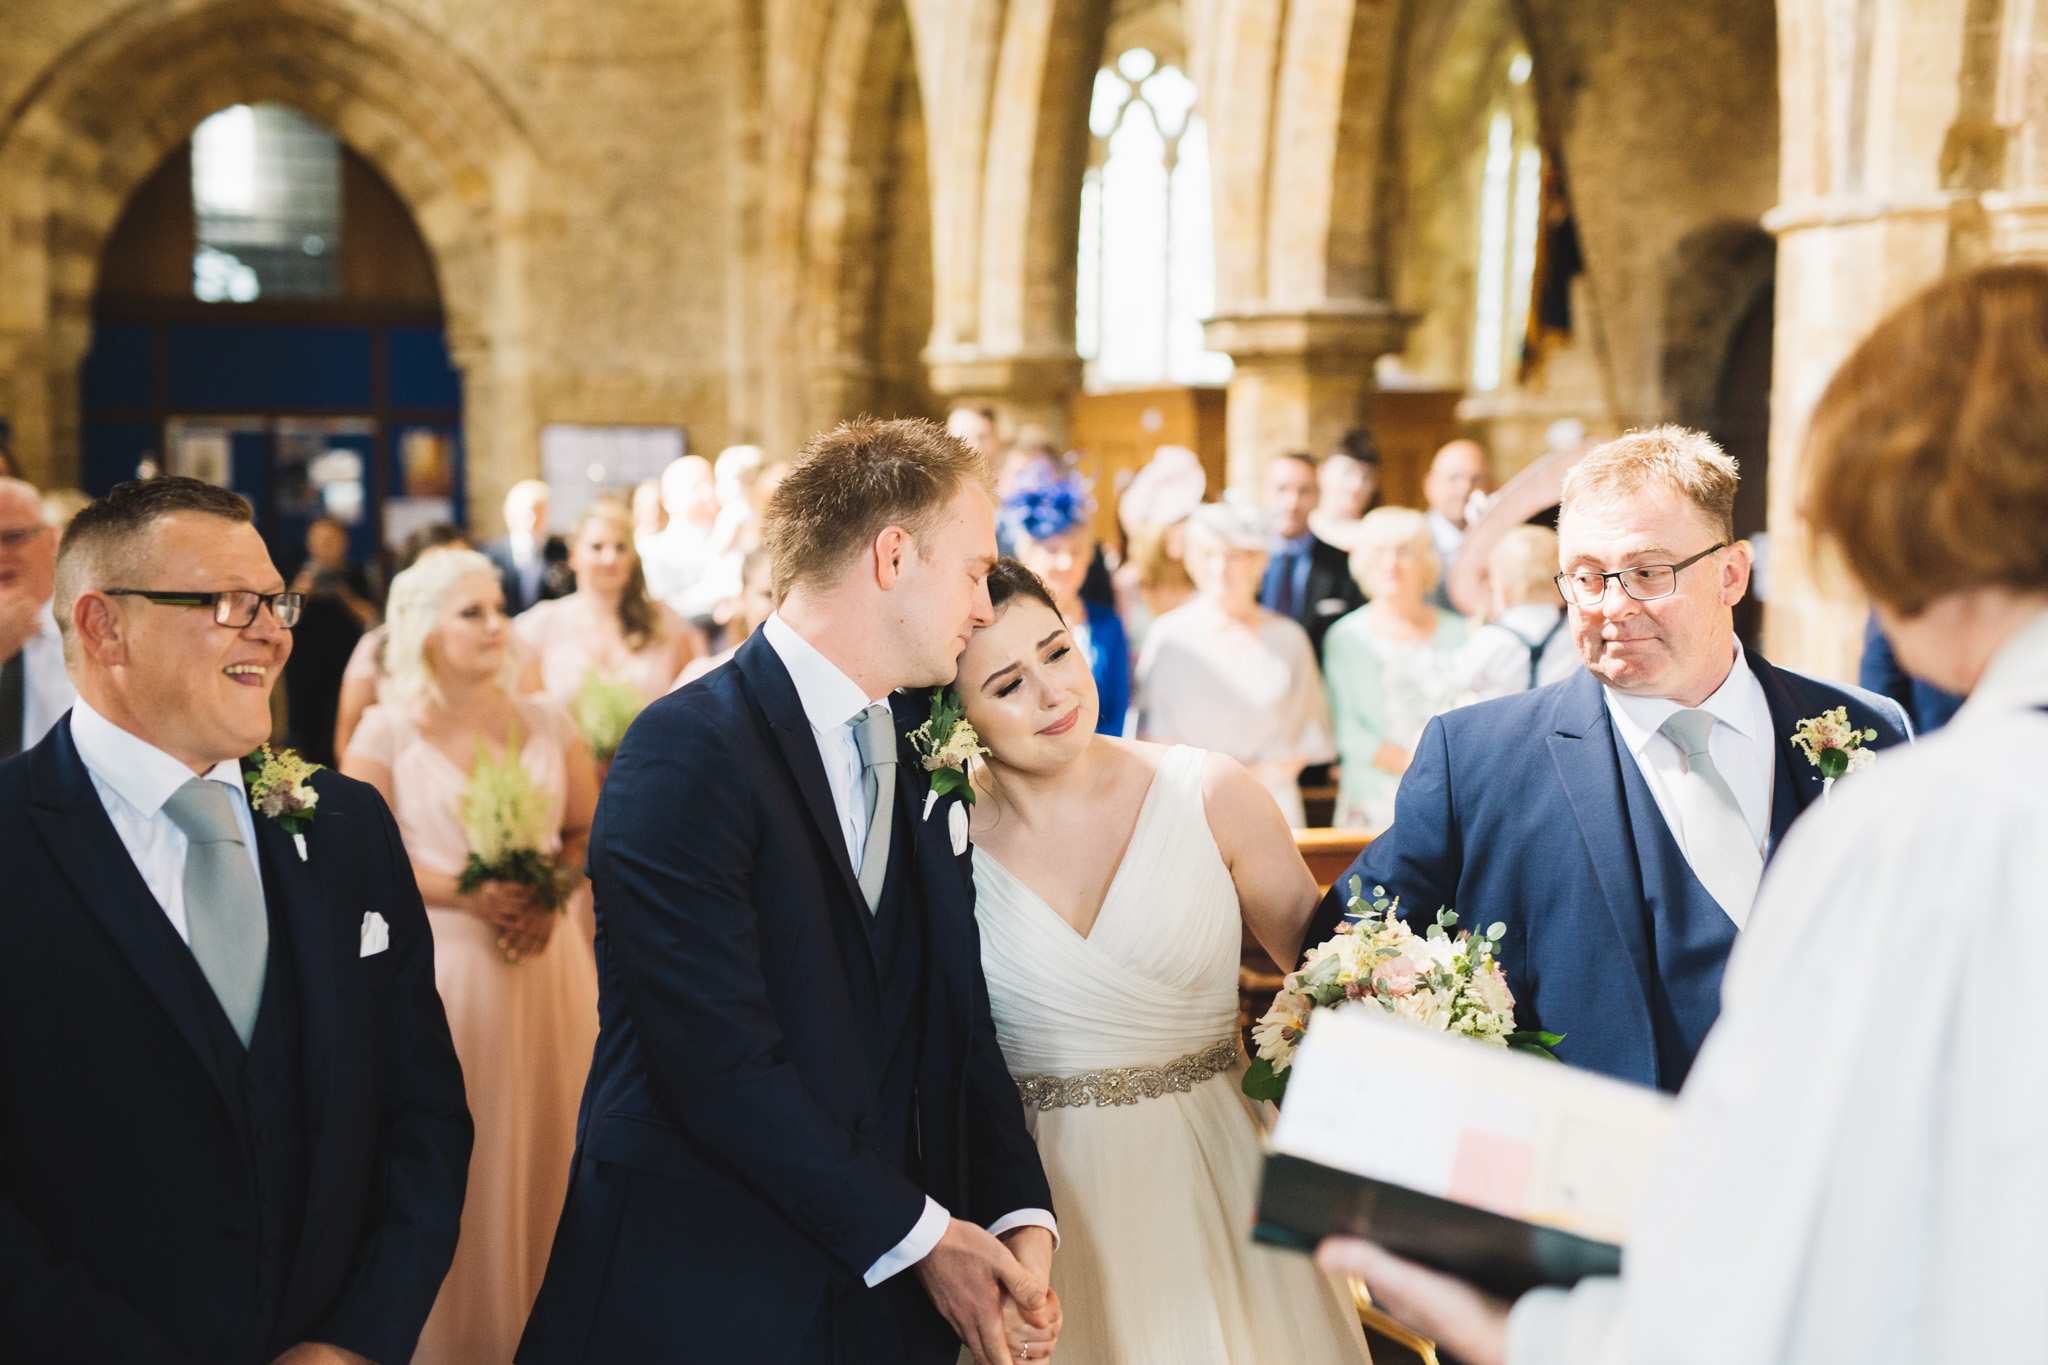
{"x":1048,"y":522}
{"x":1114,"y":881}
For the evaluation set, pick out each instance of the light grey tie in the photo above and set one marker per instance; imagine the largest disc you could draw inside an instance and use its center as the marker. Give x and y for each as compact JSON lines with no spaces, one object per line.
{"x":874,"y":730}
{"x":1717,"y":839}
{"x":230,"y":933}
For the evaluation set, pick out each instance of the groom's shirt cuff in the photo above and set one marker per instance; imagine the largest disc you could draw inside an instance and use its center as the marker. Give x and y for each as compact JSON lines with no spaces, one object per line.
{"x":931,"y":1227}
{"x":1027,"y":1218}
{"x":924,"y":1235}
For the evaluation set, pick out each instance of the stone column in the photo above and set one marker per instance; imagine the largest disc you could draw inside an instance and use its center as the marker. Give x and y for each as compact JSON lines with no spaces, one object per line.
{"x":1302,"y":378}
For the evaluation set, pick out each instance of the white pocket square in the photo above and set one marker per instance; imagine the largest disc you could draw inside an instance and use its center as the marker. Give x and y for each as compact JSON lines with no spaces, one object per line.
{"x":376,"y":935}
{"x":956,"y":825}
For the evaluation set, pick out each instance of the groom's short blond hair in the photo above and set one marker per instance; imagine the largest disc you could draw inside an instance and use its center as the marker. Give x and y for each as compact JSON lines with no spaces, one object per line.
{"x":852,"y":483}
{"x":1675,"y":458}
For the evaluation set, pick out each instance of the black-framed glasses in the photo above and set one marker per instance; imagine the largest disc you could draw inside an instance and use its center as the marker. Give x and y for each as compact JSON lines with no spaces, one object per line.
{"x":1643,"y":582}
{"x":235,"y":609}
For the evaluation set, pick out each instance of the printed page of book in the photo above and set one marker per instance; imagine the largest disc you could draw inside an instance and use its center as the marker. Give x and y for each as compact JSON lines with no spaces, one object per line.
{"x":1511,"y":1133}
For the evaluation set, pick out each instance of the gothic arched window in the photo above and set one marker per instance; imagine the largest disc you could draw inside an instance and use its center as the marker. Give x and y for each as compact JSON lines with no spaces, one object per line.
{"x":1510,"y":210}
{"x":266,"y":190}
{"x":1148,"y":253}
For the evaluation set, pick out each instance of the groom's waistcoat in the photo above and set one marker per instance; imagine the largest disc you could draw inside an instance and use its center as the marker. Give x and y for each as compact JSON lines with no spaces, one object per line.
{"x":899,"y":935}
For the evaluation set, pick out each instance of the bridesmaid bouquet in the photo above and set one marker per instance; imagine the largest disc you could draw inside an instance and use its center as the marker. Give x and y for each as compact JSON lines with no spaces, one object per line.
{"x":602,"y":710}
{"x":504,"y":816}
{"x":1451,"y":985}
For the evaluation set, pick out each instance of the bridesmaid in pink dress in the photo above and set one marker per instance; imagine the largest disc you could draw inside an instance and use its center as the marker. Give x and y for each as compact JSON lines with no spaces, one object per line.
{"x":518,"y":980}
{"x":609,"y":625}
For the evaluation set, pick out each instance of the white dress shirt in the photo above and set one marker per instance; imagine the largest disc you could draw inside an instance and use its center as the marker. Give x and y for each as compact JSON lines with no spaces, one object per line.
{"x":46,"y":688}
{"x":831,"y":701}
{"x":1494,"y":660}
{"x":1742,"y":746}
{"x":134,"y":778}
{"x":1855,"y":1173}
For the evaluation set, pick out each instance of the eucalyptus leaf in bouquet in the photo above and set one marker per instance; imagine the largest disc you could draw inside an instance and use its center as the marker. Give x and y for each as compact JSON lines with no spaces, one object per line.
{"x":1444,"y":982}
{"x":504,"y":818}
{"x":603,"y":709}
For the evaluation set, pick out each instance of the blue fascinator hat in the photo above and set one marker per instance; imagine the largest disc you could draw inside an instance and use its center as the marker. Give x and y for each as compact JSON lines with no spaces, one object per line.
{"x":1048,"y":505}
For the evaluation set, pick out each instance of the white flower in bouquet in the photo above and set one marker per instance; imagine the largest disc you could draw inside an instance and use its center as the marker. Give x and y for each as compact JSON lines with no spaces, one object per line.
{"x":1449,"y":984}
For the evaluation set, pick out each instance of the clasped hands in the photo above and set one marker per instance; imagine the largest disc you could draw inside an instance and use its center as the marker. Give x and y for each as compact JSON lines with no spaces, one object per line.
{"x":514,"y":909}
{"x":996,"y":1292}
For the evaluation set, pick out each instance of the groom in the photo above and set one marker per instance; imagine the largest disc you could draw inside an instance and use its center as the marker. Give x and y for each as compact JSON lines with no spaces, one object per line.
{"x":1618,"y":822}
{"x":799,"y":1142}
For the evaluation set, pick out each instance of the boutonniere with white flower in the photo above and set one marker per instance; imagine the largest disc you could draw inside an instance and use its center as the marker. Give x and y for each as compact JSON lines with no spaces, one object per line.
{"x":276,"y":780}
{"x":947,"y":745}
{"x":1833,"y":745}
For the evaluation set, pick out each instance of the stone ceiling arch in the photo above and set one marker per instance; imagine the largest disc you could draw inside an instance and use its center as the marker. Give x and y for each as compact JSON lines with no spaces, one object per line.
{"x":84,"y":137}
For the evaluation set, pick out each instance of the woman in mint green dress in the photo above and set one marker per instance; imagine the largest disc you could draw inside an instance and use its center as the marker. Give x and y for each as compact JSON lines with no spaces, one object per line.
{"x":1387,"y":666}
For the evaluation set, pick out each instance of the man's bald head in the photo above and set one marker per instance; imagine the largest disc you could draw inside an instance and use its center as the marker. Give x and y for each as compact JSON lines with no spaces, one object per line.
{"x":1457,"y":472}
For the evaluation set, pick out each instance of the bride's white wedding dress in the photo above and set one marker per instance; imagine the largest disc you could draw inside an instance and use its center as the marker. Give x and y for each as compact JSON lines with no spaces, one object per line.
{"x":1154,"y":1165}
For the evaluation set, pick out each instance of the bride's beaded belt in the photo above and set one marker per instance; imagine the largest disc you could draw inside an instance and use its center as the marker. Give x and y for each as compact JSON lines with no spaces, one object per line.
{"x":1128,"y":1085}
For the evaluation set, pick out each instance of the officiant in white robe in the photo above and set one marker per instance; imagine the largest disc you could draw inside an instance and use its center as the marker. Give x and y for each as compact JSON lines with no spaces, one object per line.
{"x":1857,"y":1168}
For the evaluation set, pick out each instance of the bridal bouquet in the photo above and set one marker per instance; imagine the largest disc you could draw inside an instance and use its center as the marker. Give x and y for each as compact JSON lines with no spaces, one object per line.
{"x":504,"y":816}
{"x":602,"y":710}
{"x":1450,"y":984}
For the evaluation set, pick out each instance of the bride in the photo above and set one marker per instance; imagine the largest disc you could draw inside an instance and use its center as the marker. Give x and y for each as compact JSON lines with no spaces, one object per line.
{"x":1112,"y":882}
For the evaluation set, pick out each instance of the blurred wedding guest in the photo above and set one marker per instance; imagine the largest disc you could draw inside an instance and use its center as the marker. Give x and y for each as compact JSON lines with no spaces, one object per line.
{"x":977,"y":427}
{"x":363,"y":680}
{"x":1456,"y":473}
{"x":1854,"y":1173}
{"x":743,"y":616}
{"x":1348,"y":486}
{"x":34,"y":688}
{"x":331,"y":623}
{"x":1526,"y":641}
{"x":1388,"y":664}
{"x":674,"y":558}
{"x":609,"y":626}
{"x":9,"y":469}
{"x":735,"y":530}
{"x":1880,"y":671}
{"x":1153,"y":511}
{"x":518,"y":981}
{"x":1048,"y":521}
{"x":234,"y":1122}
{"x":1223,"y":673}
{"x":649,"y":516}
{"x":533,"y":566}
{"x":1308,"y":580}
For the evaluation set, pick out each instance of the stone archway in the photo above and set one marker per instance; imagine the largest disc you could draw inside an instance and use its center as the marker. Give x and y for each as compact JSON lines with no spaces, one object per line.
{"x":77,"y":146}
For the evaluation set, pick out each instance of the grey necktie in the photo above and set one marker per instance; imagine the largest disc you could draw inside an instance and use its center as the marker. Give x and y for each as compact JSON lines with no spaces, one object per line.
{"x":1717,"y":839}
{"x":224,"y":916}
{"x":874,"y":730}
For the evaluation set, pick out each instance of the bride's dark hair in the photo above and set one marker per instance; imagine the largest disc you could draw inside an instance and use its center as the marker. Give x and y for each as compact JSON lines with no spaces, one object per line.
{"x":1010,"y":579}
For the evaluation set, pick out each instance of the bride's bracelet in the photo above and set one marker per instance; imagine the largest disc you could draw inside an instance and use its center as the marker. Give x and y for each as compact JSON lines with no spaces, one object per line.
{"x":1128,"y":1084}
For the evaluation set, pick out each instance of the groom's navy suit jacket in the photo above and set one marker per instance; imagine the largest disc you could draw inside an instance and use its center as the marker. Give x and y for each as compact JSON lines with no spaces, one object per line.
{"x":735,"y":1176}
{"x":148,"y":1215}
{"x":1529,"y":811}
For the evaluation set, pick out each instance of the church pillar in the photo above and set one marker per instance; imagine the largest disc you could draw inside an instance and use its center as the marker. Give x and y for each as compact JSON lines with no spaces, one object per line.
{"x":1297,"y":99}
{"x":1301,"y":378}
{"x":1006,"y":90}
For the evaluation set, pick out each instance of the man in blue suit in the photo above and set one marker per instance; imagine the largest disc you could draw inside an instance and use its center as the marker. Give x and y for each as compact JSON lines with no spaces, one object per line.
{"x":1618,"y":822}
{"x":799,"y":1142}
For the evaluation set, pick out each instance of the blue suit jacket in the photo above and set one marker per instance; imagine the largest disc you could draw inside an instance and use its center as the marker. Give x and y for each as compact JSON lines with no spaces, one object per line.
{"x":728,"y":1186}
{"x":128,"y":1208}
{"x":1527,"y":811}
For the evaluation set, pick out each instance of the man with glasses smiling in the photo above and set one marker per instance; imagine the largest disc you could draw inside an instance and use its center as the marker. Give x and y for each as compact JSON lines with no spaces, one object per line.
{"x":1618,"y":822}
{"x":232,"y":1125}
{"x":34,"y":689}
